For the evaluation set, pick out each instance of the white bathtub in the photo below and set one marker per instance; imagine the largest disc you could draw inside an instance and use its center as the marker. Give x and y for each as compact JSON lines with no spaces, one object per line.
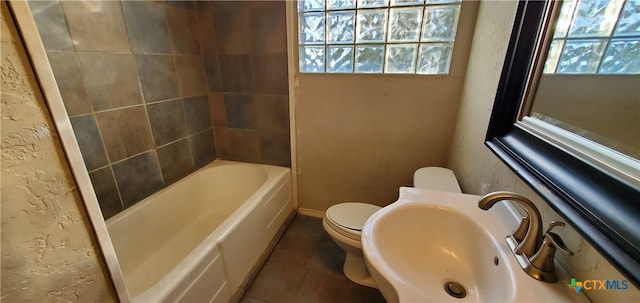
{"x":199,"y":239}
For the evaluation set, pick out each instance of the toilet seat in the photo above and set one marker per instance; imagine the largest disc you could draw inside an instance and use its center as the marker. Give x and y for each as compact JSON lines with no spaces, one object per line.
{"x":348,"y":218}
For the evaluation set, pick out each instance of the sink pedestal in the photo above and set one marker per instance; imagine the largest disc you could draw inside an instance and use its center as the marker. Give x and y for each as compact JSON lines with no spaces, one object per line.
{"x":356,"y":271}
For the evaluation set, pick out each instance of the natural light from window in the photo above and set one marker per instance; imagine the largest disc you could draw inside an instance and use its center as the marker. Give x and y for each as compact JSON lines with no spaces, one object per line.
{"x":377,"y":36}
{"x":596,"y":37}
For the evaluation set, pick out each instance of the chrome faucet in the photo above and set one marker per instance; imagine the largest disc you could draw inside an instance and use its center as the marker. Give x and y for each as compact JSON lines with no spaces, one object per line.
{"x":528,"y":236}
{"x":534,"y":256}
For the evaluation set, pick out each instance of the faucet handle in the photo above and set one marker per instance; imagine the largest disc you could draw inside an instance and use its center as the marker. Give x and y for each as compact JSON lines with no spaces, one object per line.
{"x":554,"y":224}
{"x":543,"y":260}
{"x":555,"y":240}
{"x":521,"y":231}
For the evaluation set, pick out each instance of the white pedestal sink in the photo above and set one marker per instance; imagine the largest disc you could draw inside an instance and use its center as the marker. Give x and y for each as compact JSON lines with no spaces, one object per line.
{"x":432,"y":246}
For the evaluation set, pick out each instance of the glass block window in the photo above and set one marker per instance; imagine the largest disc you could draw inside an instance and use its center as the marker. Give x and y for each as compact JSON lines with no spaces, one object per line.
{"x":596,"y":37}
{"x":377,"y":36}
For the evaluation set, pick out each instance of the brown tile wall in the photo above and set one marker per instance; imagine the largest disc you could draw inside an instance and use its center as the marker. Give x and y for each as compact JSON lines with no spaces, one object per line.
{"x":133,"y":82}
{"x":156,"y":90}
{"x":245,"y":53}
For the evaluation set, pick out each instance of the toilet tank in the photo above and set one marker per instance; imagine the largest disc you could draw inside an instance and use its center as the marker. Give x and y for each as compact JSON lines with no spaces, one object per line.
{"x":436,"y":178}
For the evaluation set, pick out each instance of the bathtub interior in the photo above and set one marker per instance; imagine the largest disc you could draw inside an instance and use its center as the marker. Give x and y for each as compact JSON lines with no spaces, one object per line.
{"x":159,"y":235}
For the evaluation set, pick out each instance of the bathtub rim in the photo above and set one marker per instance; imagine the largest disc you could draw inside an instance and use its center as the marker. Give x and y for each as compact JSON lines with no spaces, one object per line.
{"x":216,"y":163}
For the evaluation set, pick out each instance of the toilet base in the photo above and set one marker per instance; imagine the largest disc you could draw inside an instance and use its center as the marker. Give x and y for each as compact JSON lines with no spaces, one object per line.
{"x":355,"y":269}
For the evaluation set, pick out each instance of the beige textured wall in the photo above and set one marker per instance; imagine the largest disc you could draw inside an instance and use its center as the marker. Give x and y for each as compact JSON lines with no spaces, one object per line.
{"x":605,"y":105}
{"x":479,"y":171}
{"x":361,"y":137}
{"x":48,"y":253}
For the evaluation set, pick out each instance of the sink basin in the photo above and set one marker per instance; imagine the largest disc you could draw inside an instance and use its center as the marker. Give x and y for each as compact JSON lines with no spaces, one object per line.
{"x":432,"y":246}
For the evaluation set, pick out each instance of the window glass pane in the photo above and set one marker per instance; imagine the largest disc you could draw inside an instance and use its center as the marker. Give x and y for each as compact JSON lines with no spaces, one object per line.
{"x":372,"y":25}
{"x":312,"y":59}
{"x":311,"y":28}
{"x":372,"y":3}
{"x":553,"y":56}
{"x":594,"y":18}
{"x":404,"y":24}
{"x":340,"y":27}
{"x":377,"y":36}
{"x":310,"y":5}
{"x":622,"y":57}
{"x":440,"y":23}
{"x":369,"y":58}
{"x":340,"y":59}
{"x":581,"y":56}
{"x":434,"y":58}
{"x":564,"y":20}
{"x":341,"y":4}
{"x":406,"y":2}
{"x":401,"y":58}
{"x":629,"y":23}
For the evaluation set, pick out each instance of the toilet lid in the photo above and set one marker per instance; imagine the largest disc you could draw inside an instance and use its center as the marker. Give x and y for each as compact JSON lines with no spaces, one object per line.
{"x":351,"y":215}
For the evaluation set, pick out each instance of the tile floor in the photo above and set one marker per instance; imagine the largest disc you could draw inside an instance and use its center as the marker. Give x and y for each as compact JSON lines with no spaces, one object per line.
{"x":306,"y":267}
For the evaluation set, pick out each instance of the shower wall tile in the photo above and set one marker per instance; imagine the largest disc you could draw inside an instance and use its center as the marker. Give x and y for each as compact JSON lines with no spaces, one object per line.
{"x":111,"y":80}
{"x":147,"y":27}
{"x":269,"y":28}
{"x":236,"y":74}
{"x":167,"y":121}
{"x":147,"y":82}
{"x":138,"y":177}
{"x":212,"y":68}
{"x":250,"y":56}
{"x":191,"y":77}
{"x":106,"y":191}
{"x":183,"y":29}
{"x":223,"y":142}
{"x":217,"y":109}
{"x":266,"y":4}
{"x":275,"y":148}
{"x":240,"y":111}
{"x":157,"y":77}
{"x":97,"y":25}
{"x":232,"y":31}
{"x":69,"y":78}
{"x":245,"y":145}
{"x":125,"y":132}
{"x":89,"y":141}
{"x":230,"y":6}
{"x":51,"y":25}
{"x":272,"y":113}
{"x":175,"y":163}
{"x":182,"y":4}
{"x":224,"y":6}
{"x":270,"y":74}
{"x":206,"y":27}
{"x":197,"y":114}
{"x":203,"y":149}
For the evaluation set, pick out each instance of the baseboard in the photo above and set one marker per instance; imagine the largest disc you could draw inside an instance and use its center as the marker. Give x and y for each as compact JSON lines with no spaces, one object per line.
{"x":311,"y":212}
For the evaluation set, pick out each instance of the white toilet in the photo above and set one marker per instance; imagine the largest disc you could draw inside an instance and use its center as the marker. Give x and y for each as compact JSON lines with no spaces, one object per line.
{"x":344,"y":221}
